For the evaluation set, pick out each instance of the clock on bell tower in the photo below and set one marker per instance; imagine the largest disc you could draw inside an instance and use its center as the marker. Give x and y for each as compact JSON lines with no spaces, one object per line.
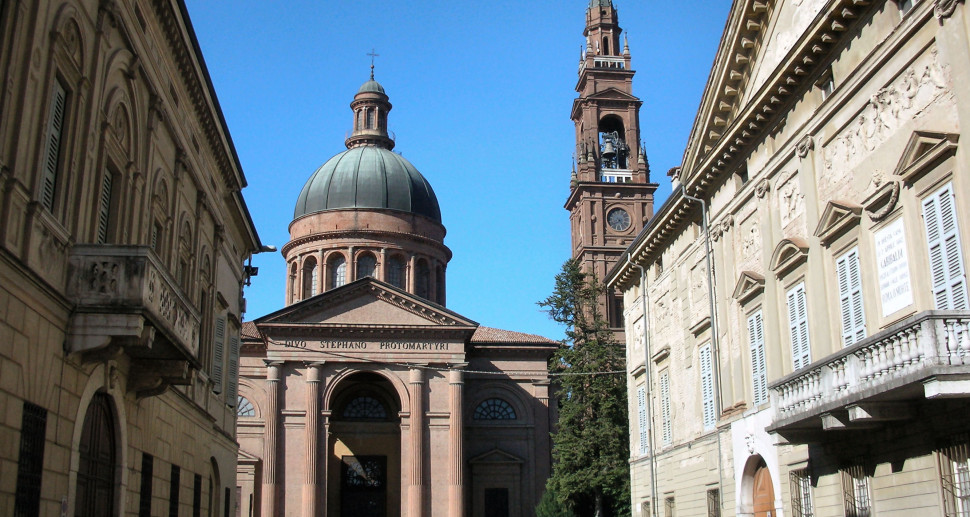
{"x":611,"y":196}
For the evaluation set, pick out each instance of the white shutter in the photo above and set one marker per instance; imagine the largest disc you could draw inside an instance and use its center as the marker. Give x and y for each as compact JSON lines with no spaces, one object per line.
{"x":707,"y":388}
{"x":665,"y":408}
{"x":218,"y":354}
{"x":756,"y":340}
{"x":946,"y":257}
{"x":850,"y":297}
{"x":232,"y":384}
{"x":642,"y":413}
{"x":52,"y":153}
{"x":798,"y":325}
{"x":104,"y":211}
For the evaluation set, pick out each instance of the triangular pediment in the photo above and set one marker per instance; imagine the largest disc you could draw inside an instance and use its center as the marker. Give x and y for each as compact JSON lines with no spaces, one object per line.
{"x":613,"y":94}
{"x":496,"y":456}
{"x":924,"y":150}
{"x":749,"y":285}
{"x":837,"y":217}
{"x":788,"y":254}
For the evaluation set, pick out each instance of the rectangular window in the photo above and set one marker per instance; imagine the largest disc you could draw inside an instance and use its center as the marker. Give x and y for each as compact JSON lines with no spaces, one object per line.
{"x":642,"y":415}
{"x":104,"y":208}
{"x":218,"y":354}
{"x":850,"y":297}
{"x":145,"y":494}
{"x":713,"y":503}
{"x":669,"y":507}
{"x":943,"y":242}
{"x":905,"y":6}
{"x":665,"y":424}
{"x":617,"y":312}
{"x":173,"y":492}
{"x":798,"y":325}
{"x":197,"y":496}
{"x":52,"y":151}
{"x":156,"y":239}
{"x":707,"y":387}
{"x":756,"y":341}
{"x":233,"y":380}
{"x":855,"y":492}
{"x":30,"y":465}
{"x":955,"y":478}
{"x":801,"y":493}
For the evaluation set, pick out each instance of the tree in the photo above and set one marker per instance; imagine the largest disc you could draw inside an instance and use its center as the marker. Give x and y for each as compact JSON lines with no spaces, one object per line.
{"x":590,"y":445}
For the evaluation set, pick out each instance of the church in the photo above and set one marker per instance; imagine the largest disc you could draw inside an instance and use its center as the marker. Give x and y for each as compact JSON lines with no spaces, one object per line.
{"x":365,"y":395}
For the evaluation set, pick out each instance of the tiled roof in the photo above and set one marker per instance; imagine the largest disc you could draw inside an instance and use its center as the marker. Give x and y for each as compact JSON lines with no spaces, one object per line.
{"x":249,"y":331}
{"x":490,"y":335}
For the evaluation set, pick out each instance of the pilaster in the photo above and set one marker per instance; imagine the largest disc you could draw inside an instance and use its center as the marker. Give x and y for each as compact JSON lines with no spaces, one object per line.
{"x":416,"y":487}
{"x":270,"y":488}
{"x":456,"y":449}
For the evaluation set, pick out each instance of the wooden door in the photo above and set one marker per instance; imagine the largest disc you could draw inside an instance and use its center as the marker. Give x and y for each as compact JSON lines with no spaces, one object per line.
{"x":764,"y":492}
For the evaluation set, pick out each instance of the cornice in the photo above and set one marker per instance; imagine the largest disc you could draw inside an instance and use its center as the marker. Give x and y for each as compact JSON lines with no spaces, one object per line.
{"x":351,"y":234}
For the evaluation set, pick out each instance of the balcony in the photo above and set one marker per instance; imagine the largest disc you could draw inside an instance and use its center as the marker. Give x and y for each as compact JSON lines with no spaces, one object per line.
{"x":616,"y":175}
{"x":877,"y":380}
{"x":127,"y":303}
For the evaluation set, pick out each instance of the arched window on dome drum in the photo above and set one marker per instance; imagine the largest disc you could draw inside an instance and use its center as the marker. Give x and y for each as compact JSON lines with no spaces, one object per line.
{"x":293,"y":291}
{"x":338,"y":271}
{"x":395,"y":272}
{"x":440,"y":285}
{"x":310,"y":272}
{"x":422,"y":282}
{"x":366,"y":265}
{"x":494,"y":409}
{"x":365,"y":408}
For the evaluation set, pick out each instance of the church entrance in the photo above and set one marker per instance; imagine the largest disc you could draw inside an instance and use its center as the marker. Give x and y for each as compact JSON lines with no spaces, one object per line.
{"x":364,"y":466}
{"x":764,"y":492}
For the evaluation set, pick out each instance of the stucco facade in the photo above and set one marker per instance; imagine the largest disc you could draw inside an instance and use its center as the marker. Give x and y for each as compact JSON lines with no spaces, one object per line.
{"x":123,"y":235}
{"x":797,"y":309}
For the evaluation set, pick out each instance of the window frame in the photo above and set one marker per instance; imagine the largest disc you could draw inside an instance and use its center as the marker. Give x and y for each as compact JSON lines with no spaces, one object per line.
{"x":798,"y":326}
{"x":708,"y":397}
{"x":759,"y":366}
{"x":949,"y":243}
{"x":852,"y":312}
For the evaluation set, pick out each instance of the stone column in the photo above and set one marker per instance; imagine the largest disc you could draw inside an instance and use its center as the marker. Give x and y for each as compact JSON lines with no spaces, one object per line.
{"x":381,"y":272}
{"x":269,"y":437}
{"x":416,"y":489}
{"x":456,"y":439}
{"x":312,"y":471}
{"x":411,"y":273}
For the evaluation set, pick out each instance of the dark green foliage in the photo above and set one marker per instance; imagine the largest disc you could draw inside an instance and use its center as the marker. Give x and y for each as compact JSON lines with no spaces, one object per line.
{"x":549,"y":506}
{"x":590,"y":446}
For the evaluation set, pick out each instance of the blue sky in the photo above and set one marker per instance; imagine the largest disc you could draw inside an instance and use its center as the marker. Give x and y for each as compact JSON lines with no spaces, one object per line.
{"x":481,"y":94}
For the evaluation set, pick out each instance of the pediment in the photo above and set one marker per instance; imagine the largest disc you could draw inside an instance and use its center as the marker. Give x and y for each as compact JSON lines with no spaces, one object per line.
{"x":749,"y":285}
{"x":363,"y":303}
{"x":837,"y":217}
{"x":788,"y":254}
{"x":496,"y":456}
{"x":613,"y":94}
{"x":924,"y":150}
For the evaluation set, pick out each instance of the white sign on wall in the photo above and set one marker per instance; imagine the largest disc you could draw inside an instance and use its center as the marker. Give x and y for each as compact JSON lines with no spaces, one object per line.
{"x":893,"y":266}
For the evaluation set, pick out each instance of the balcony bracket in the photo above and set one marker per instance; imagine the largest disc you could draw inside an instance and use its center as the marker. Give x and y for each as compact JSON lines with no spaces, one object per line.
{"x":947,"y":387}
{"x":879,"y":412}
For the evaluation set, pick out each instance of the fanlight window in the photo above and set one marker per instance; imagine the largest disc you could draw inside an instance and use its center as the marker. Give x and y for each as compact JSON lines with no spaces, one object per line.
{"x":365,"y":407}
{"x":245,"y":407}
{"x":494,"y":409}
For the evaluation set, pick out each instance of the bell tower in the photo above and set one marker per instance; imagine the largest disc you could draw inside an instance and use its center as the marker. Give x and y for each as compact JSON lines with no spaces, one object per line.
{"x":611,"y":196}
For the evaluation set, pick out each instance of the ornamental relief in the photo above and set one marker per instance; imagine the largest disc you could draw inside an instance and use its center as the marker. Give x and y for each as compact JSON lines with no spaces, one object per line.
{"x":789,"y":198}
{"x":892,"y":106}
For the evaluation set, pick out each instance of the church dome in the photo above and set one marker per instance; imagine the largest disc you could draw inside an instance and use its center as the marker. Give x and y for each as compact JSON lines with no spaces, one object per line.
{"x":368,"y":177}
{"x":371,"y":86}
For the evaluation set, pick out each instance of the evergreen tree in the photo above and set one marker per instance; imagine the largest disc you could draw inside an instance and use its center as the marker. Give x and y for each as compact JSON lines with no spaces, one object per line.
{"x":590,"y":446}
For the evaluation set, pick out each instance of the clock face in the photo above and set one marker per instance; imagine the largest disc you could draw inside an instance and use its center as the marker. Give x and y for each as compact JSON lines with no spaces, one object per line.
{"x":618,"y":219}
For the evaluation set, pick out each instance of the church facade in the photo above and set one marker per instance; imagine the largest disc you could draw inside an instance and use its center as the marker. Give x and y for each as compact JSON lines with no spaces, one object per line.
{"x":365,"y":395}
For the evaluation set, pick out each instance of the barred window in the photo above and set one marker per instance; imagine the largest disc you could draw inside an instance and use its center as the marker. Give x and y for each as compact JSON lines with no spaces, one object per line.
{"x":801,"y":493}
{"x":30,"y":466}
{"x":494,"y":409}
{"x":955,"y":478}
{"x":855,"y":492}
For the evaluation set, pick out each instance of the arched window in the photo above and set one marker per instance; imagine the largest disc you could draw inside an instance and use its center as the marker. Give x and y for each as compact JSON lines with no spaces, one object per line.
{"x":606,"y":46}
{"x":494,"y":409}
{"x":244,"y":407}
{"x":422,"y":282}
{"x":338,"y":271}
{"x":293,"y":289}
{"x":366,"y":265}
{"x":365,"y":408}
{"x":370,"y":118}
{"x":310,"y":277}
{"x":440,"y":285}
{"x":395,"y":272}
{"x":96,"y":469}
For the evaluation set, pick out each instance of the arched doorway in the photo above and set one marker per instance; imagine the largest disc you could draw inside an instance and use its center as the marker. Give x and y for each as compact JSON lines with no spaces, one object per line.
{"x":364,"y":467}
{"x":96,"y":468}
{"x":763,"y":493}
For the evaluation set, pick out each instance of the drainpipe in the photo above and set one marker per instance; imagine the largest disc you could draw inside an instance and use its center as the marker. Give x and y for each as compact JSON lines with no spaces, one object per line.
{"x":715,"y":353}
{"x":648,"y":383}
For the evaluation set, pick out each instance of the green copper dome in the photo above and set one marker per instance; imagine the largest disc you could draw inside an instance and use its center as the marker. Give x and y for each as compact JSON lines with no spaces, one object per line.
{"x":368,"y":177}
{"x":371,"y":86}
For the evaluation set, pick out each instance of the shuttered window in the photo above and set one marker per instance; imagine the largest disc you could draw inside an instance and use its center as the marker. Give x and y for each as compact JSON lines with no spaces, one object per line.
{"x":218,"y":354}
{"x":707,"y":387}
{"x":642,"y":415}
{"x":798,"y":325}
{"x":232,"y":383}
{"x":52,"y":151}
{"x":665,"y":423}
{"x":850,"y":297}
{"x":104,"y":208}
{"x":756,"y":340}
{"x":946,"y":257}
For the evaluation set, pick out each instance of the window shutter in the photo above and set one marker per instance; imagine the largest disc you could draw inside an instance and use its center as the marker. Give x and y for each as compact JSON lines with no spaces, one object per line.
{"x":850,"y":297}
{"x":707,"y":387}
{"x":756,"y":340}
{"x":218,"y":354}
{"x":55,"y":133}
{"x":104,"y":211}
{"x":232,"y":386}
{"x":946,"y":257}
{"x":665,"y":408}
{"x":642,"y":412}
{"x":798,"y":324}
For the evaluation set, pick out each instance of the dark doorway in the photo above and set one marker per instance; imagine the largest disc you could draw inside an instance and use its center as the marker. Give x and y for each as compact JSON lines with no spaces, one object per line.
{"x":496,"y":502}
{"x":363,"y":486}
{"x":96,"y":470}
